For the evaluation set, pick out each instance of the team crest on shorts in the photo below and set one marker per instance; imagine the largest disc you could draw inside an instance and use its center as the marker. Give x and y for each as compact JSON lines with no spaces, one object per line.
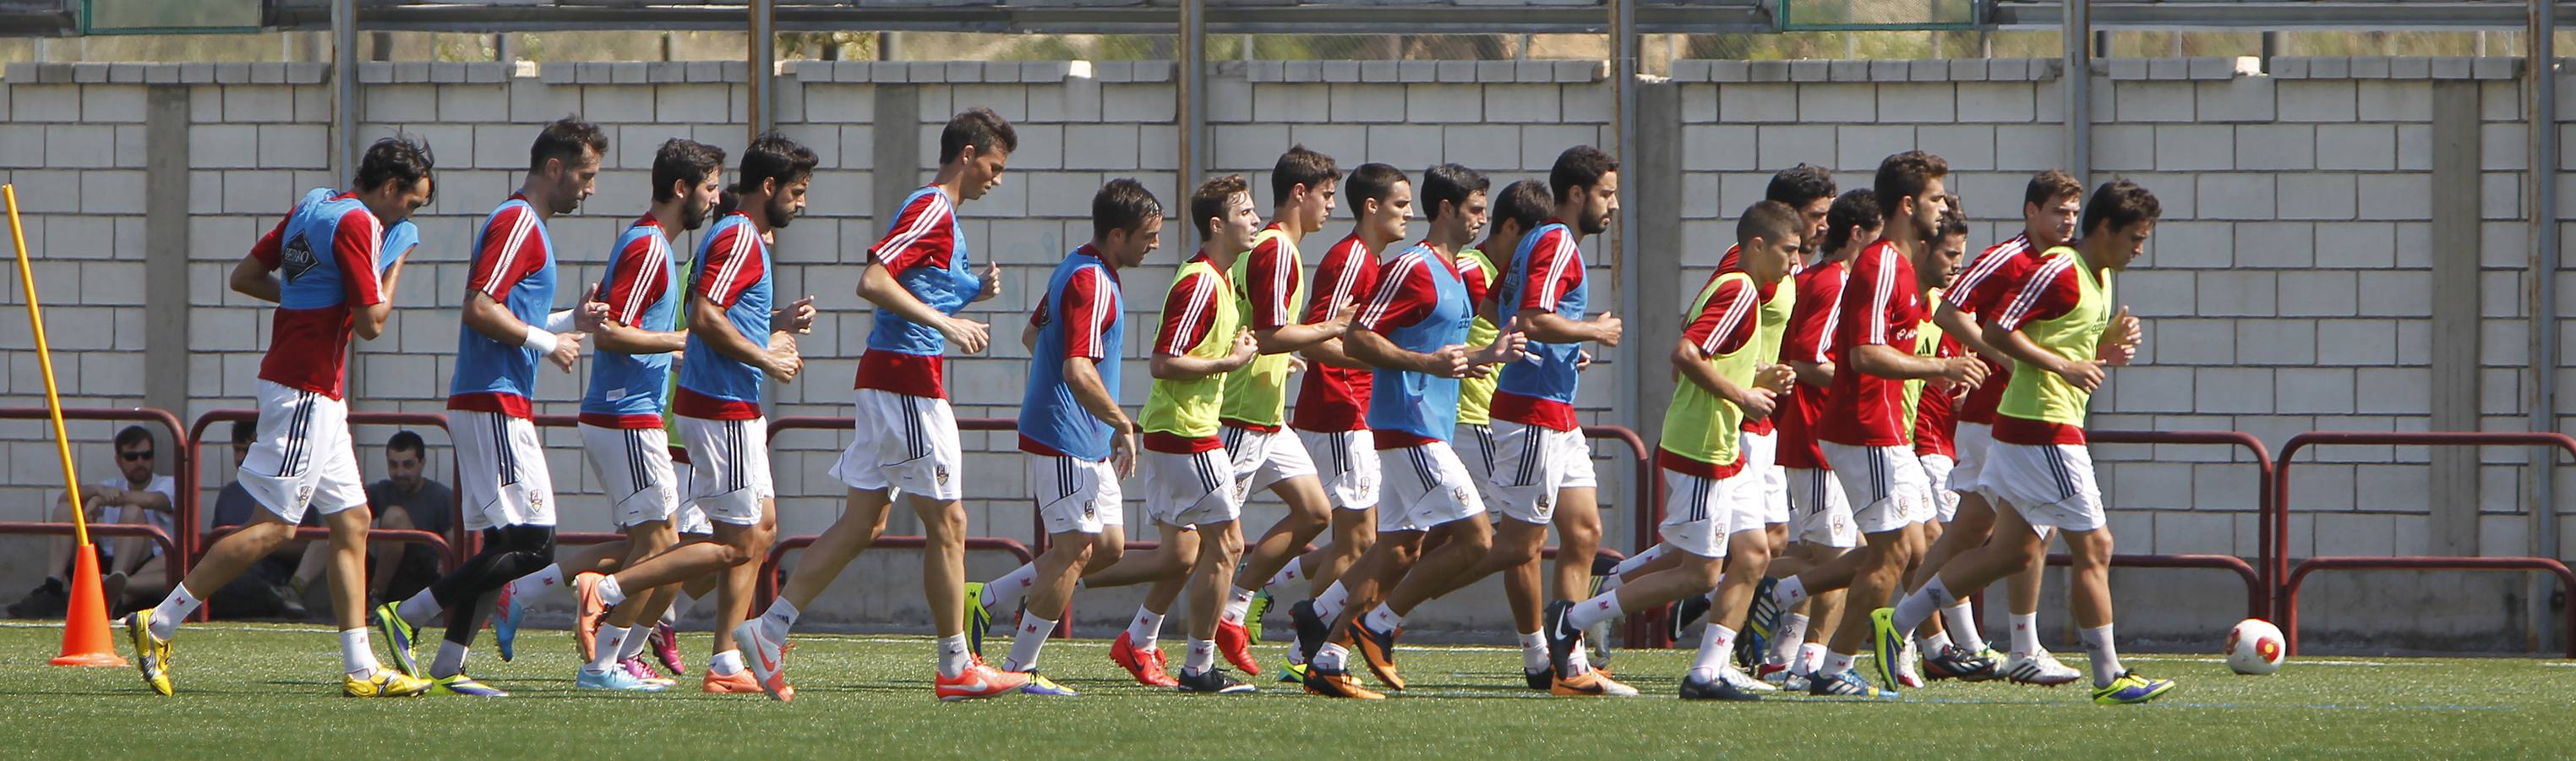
{"x":941,"y":473}
{"x":303,"y":495}
{"x":1543,"y":499}
{"x":1459,"y":493}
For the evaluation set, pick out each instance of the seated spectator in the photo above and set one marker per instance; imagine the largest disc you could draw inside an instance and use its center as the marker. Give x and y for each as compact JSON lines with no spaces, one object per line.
{"x":261,"y":592}
{"x":132,"y":565}
{"x":406,"y":499}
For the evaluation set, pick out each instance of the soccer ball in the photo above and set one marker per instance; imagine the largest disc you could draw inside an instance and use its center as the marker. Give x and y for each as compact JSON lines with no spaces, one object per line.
{"x":2255,"y":646}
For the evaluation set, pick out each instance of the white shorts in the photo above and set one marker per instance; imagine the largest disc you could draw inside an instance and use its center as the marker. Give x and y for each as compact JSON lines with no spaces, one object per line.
{"x":1426,"y":486}
{"x":1967,"y":476}
{"x":1189,"y":489}
{"x":904,"y":442}
{"x":1701,"y":512}
{"x":501,"y":470}
{"x":1262,"y":458}
{"x":690,"y":521}
{"x":729,"y":468}
{"x":1474,"y":445}
{"x":1348,"y":463}
{"x":1762,"y":461}
{"x":1885,"y":485}
{"x":1533,"y":463}
{"x":1074,"y":494}
{"x":633,"y":466}
{"x":302,"y":457}
{"x":1937,"y":469}
{"x":1824,"y":516}
{"x":2051,"y":486}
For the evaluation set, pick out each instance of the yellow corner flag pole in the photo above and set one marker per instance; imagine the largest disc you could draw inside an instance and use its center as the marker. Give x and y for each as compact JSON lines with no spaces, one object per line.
{"x":85,"y":638}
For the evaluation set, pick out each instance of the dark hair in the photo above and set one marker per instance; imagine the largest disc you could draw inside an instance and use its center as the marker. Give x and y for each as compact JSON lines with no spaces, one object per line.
{"x":773,"y":156}
{"x":1209,"y":201}
{"x":407,"y":441}
{"x":563,"y":140}
{"x":401,"y":158}
{"x":1858,"y":208}
{"x":2050,"y":185}
{"x":1300,"y":166}
{"x":244,"y":431}
{"x":1578,"y":167}
{"x":1524,"y":203}
{"x":1769,"y":220}
{"x":1370,"y":182}
{"x":132,"y":435}
{"x":1123,"y":204}
{"x":1452,"y":184}
{"x":1952,"y":223}
{"x":2121,"y":203}
{"x":978,"y":127}
{"x":682,"y":160}
{"x":1906,"y":175}
{"x":1800,"y":185}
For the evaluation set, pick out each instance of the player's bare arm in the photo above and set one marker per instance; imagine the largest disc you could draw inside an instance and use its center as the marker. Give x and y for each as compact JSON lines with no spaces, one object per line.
{"x":253,"y":278}
{"x":2085,"y":375}
{"x":780,"y":361}
{"x":1545,"y":326}
{"x":1890,"y":362}
{"x":495,"y":322}
{"x":1377,"y":351}
{"x":1181,"y":367}
{"x":879,"y":287}
{"x":1082,"y":376}
{"x":1756,"y":401}
{"x":1299,"y":338}
{"x":1959,"y":325}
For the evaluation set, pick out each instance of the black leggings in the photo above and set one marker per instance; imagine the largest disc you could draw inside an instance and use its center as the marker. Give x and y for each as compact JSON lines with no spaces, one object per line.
{"x":508,"y":553}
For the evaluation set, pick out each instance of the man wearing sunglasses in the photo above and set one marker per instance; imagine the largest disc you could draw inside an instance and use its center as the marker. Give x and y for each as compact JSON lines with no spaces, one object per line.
{"x":141,"y":496}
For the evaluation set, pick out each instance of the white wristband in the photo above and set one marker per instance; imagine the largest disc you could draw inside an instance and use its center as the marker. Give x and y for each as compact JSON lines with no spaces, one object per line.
{"x":560,"y":321}
{"x":540,"y":340}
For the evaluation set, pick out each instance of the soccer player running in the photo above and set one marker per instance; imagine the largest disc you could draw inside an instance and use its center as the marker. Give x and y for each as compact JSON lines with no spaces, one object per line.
{"x":502,"y":477}
{"x":1714,"y":513}
{"x":1931,"y":426}
{"x":736,"y":337}
{"x":2062,"y":333}
{"x":335,"y":281}
{"x":1414,"y":333}
{"x":919,"y":276}
{"x":2050,"y":205}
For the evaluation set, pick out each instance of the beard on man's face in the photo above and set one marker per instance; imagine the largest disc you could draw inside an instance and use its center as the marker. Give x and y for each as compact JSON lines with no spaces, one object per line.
{"x":780,"y":212}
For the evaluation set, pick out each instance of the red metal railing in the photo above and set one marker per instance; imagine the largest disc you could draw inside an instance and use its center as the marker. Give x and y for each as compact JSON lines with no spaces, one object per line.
{"x":2288,"y":604}
{"x":778,"y":551}
{"x":172,"y":567}
{"x":2260,"y":578}
{"x":451,"y":547}
{"x":182,"y":468}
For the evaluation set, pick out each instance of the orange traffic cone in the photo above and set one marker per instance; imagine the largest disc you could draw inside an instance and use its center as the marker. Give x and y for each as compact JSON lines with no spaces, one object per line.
{"x":85,"y":638}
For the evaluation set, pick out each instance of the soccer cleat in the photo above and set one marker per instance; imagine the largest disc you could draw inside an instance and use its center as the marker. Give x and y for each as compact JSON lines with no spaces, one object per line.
{"x":1955,"y":662}
{"x":1683,"y":613}
{"x":1795,"y":683}
{"x":1145,"y":665}
{"x":1695,"y":688}
{"x":1772,"y":673}
{"x":460,"y":684}
{"x":385,"y":683}
{"x":587,"y":610}
{"x":736,"y":683}
{"x":1887,"y":645}
{"x":151,"y":654}
{"x":1040,"y":685}
{"x":766,"y":659}
{"x":1561,"y":638}
{"x":666,"y":648}
{"x":618,"y":679}
{"x":1735,"y":676}
{"x":1337,"y":683}
{"x":978,"y":619}
{"x":505,"y":621}
{"x":636,"y":667}
{"x":1213,"y":682}
{"x":1312,"y":629}
{"x":979,"y":680}
{"x":1252,"y":618}
{"x":1847,"y":684}
{"x":1909,"y":667}
{"x":1994,"y":666}
{"x":1590,"y":683}
{"x":1292,"y":673}
{"x":1538,"y":679}
{"x":1234,"y":641}
{"x":1756,"y":637}
{"x":2039,"y":668}
{"x":1378,"y":651}
{"x":2130,"y":689}
{"x":397,"y":634}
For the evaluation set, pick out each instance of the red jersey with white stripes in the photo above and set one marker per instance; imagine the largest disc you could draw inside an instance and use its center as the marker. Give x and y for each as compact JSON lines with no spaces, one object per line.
{"x":1810,"y":339}
{"x":1882,"y":306}
{"x":1333,"y":399}
{"x":1998,"y":271}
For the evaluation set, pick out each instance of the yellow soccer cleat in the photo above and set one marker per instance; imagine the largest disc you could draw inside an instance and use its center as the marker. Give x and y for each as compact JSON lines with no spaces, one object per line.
{"x":386,"y":683}
{"x":151,"y":654}
{"x":460,"y":684}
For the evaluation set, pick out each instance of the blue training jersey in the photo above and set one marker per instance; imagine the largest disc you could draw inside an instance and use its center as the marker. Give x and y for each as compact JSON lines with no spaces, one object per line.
{"x":733,"y":272}
{"x":1420,"y":305}
{"x":514,"y":265}
{"x":642,"y":291}
{"x":1083,"y":315}
{"x":1545,"y":272}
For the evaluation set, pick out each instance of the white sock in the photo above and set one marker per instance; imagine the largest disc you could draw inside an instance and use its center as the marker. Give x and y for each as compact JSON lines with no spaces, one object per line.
{"x":355,"y":655}
{"x":1715,"y":644}
{"x":727,"y":663}
{"x":606,"y":645}
{"x":1637,"y":561}
{"x":1238,"y":603}
{"x":953,"y":656}
{"x":609,"y":591}
{"x":1000,"y":593}
{"x":1920,"y":605}
{"x":1331,"y":657}
{"x":1533,"y":651}
{"x":1295,"y":568}
{"x":451,"y":660}
{"x":1934,"y":643}
{"x":1961,"y":621}
{"x":1836,"y":663}
{"x":1811,"y":656}
{"x":1785,"y":642}
{"x":1201,"y":658}
{"x":1790,"y":591}
{"x":780,"y":617}
{"x":530,"y":588}
{"x":2025,"y":633}
{"x":1147,"y":627}
{"x":2105,"y":658}
{"x":637,"y":637}
{"x":1382,"y":620}
{"x":1602,"y":607}
{"x":420,"y":610}
{"x":1025,"y":645}
{"x":1328,"y":605}
{"x":173,"y":609}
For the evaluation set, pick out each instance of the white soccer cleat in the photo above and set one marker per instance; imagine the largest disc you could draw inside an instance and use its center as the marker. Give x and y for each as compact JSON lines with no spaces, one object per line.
{"x":2039,"y":668}
{"x":1737,"y":677}
{"x":1909,"y":667}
